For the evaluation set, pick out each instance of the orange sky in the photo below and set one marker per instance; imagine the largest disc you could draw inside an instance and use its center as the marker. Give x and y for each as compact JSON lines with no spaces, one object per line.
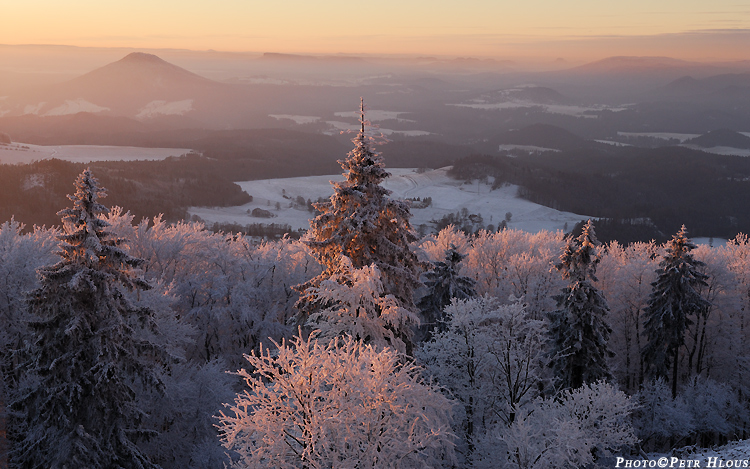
{"x":573,"y":29}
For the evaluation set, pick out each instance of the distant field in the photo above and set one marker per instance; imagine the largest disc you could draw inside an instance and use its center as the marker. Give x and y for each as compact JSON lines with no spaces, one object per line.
{"x":448,"y":196}
{"x":22,"y":153}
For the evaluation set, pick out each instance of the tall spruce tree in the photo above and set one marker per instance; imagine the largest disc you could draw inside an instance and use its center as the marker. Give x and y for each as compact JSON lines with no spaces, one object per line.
{"x":362,"y":223}
{"x":77,"y":404}
{"x":578,"y":329}
{"x":674,"y":300}
{"x":443,"y":284}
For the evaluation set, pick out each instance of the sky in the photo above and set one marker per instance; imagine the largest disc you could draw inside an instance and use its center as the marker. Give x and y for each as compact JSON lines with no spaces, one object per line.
{"x":570,"y":29}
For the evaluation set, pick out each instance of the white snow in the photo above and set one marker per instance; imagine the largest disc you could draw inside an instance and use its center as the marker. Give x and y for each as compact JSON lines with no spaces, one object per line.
{"x":660,"y":135}
{"x":570,"y":110}
{"x":617,"y":144}
{"x":705,"y":457}
{"x":296,"y":119}
{"x":33,"y":108}
{"x":375,"y":115}
{"x":527,"y":149}
{"x":448,"y":196}
{"x":721,"y":150}
{"x":21,"y":153}
{"x":174,"y":108}
{"x":345,"y":126}
{"x":74,"y":107}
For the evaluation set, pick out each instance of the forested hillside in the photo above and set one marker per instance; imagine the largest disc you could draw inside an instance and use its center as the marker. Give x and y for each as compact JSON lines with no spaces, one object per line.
{"x":366,"y":344}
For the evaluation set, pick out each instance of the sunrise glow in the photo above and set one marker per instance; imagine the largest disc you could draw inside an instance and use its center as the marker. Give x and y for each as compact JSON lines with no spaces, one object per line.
{"x":580,"y":29}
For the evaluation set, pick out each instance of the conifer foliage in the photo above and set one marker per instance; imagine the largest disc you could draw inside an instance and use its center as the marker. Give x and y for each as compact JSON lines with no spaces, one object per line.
{"x":578,"y":329}
{"x":362,"y":223}
{"x":77,"y":403}
{"x":674,"y":300}
{"x":443,"y":284}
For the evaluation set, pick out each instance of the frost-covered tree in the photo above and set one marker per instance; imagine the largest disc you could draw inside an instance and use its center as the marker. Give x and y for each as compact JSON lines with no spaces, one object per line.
{"x":362,"y":223}
{"x":344,"y":404}
{"x":490,"y":359}
{"x":673,"y":304}
{"x":77,"y":401}
{"x":443,"y":284}
{"x":359,"y":307}
{"x":579,"y":331}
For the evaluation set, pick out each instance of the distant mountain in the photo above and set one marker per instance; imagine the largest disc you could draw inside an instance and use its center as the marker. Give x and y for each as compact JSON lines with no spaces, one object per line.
{"x":725,"y":87}
{"x":139,"y":85}
{"x":634,"y":64}
{"x":721,"y":138}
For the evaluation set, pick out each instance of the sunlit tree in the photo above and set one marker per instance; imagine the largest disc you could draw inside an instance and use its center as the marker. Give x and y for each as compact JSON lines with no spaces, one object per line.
{"x":362,"y":223}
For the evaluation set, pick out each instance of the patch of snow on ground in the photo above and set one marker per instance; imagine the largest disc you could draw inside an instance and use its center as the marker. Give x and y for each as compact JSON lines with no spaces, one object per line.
{"x":448,"y":196}
{"x":174,"y":108}
{"x":74,"y":107}
{"x":374,"y":115}
{"x":527,"y":149}
{"x":721,"y":150}
{"x":570,"y":110}
{"x":296,"y":119}
{"x":23,"y":153}
{"x":713,"y":242}
{"x":339,"y":126}
{"x":33,"y":108}
{"x":617,"y":144}
{"x":661,"y":135}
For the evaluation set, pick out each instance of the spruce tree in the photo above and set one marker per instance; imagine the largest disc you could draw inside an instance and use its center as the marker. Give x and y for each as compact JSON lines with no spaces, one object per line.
{"x":77,"y":405}
{"x":674,"y":300}
{"x":443,"y":284}
{"x":362,"y":223}
{"x":578,"y":329}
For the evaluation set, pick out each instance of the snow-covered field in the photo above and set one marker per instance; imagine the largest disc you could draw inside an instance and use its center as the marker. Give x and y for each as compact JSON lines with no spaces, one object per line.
{"x":448,"y":196}
{"x":21,"y":153}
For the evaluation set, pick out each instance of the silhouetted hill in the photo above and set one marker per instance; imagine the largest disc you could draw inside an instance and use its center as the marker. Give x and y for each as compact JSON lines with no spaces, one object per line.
{"x":721,"y":138}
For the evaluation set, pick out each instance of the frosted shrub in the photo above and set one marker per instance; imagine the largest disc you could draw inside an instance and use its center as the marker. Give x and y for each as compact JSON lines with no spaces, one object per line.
{"x":338,"y":405}
{"x":571,"y":430}
{"x":658,"y":416}
{"x":490,"y":358}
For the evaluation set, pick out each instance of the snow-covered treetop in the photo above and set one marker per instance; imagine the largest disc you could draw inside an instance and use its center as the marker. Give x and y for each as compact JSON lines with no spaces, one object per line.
{"x":580,"y":257}
{"x":86,"y":243}
{"x":363,"y":165}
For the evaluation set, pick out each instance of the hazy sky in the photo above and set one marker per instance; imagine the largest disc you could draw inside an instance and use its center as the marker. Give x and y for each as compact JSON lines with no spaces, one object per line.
{"x":572,"y":29}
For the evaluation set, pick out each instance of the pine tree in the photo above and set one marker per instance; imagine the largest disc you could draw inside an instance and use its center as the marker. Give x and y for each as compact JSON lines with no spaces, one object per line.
{"x":578,"y":329}
{"x":362,"y":223}
{"x":77,"y":404}
{"x":673,"y":301}
{"x":443,"y":284}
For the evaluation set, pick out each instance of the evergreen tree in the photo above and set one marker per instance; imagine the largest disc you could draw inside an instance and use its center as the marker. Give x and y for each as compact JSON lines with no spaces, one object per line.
{"x":77,"y":404}
{"x":578,"y":329}
{"x":362,"y":223}
{"x":674,"y":299}
{"x":444,"y":283}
